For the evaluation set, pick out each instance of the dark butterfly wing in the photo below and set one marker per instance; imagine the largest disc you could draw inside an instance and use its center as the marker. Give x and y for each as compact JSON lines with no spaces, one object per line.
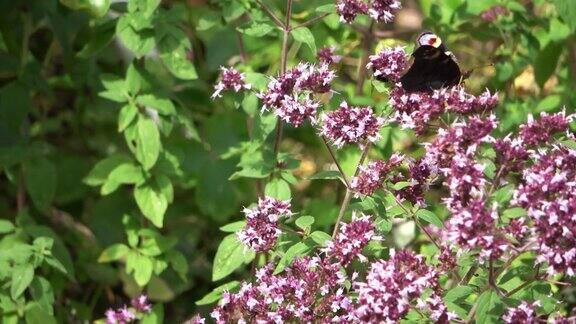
{"x":432,"y":69}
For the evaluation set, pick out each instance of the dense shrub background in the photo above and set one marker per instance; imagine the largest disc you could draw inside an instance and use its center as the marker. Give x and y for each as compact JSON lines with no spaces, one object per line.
{"x":118,"y":168}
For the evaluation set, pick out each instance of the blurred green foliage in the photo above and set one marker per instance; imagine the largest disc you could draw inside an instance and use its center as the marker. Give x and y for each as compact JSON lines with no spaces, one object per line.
{"x":118,"y":168}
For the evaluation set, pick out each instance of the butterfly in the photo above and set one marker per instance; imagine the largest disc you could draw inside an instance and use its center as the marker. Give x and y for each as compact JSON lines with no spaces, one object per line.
{"x":434,"y":67}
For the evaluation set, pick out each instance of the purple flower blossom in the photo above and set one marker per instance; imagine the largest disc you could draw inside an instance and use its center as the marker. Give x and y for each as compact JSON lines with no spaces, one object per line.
{"x":372,"y":176}
{"x":523,"y":314}
{"x":383,"y":10}
{"x":349,"y":9}
{"x":548,"y":193}
{"x":419,"y":173}
{"x":141,"y":304}
{"x":197,"y":319}
{"x":493,"y":13}
{"x":463,"y":137}
{"x":290,"y":96}
{"x":295,"y":112}
{"x":465,"y":180}
{"x":511,"y":155}
{"x":291,"y":296}
{"x":447,"y":259}
{"x":327,"y":55}
{"x":388,"y":64}
{"x":474,"y":227}
{"x":119,"y":316}
{"x":316,"y":79}
{"x":539,"y":131}
{"x":261,"y":231}
{"x":415,"y":110}
{"x":392,"y":286}
{"x":230,"y":79}
{"x":348,"y":125}
{"x":351,"y":239}
{"x":460,"y":101}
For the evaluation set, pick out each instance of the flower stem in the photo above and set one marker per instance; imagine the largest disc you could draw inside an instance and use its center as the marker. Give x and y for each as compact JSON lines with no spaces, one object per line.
{"x":269,"y":12}
{"x":331,"y":151}
{"x":348,"y":195}
{"x":366,"y":48}
{"x":283,"y":65}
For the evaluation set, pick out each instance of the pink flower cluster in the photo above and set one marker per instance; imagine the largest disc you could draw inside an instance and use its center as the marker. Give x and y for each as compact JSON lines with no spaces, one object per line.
{"x":392,"y":286}
{"x":347,"y":125}
{"x":261,"y":231}
{"x":524,"y":313}
{"x":388,"y":64}
{"x":230,"y":79}
{"x":372,"y":176}
{"x":548,"y":193}
{"x":493,"y":13}
{"x":419,"y":174}
{"x":290,"y":96}
{"x":474,"y":227}
{"x":350,"y":241}
{"x":539,"y":131}
{"x":417,"y":109}
{"x":327,"y":55}
{"x":311,"y":289}
{"x":379,"y":10}
{"x":123,"y":315}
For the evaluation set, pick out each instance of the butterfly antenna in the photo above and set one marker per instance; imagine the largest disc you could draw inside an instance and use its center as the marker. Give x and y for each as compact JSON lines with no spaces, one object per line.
{"x":466,"y":74}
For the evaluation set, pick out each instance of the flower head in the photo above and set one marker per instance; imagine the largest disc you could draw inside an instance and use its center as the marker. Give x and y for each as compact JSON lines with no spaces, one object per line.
{"x":230,"y":79}
{"x":351,"y":239}
{"x":523,"y":314}
{"x":349,"y":9}
{"x":493,"y":13}
{"x":348,"y":125}
{"x":392,"y":286}
{"x":141,"y":304}
{"x":372,"y":176}
{"x":261,"y":231}
{"x":383,"y":10}
{"x":295,"y":112}
{"x":539,"y":131}
{"x":389,"y":64}
{"x":548,"y":193}
{"x":327,"y":55}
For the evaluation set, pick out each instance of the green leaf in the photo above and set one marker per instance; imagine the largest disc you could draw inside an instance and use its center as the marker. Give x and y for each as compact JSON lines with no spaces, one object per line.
{"x":320,"y":237}
{"x":233,"y":227}
{"x":141,"y":266}
{"x":326,"y":175}
{"x":21,"y":278}
{"x":229,"y":257}
{"x":513,"y":213}
{"x":328,"y":8}
{"x":36,"y":314}
{"x":401,"y":185}
{"x":487,"y":303}
{"x":429,"y":217}
{"x":148,"y":143}
{"x":257,"y":29}
{"x":133,"y":79}
{"x":458,"y":293}
{"x":304,"y":222}
{"x":174,"y":47}
{"x":40,"y":178}
{"x":296,"y":250}
{"x":279,"y":189}
{"x":114,"y":252}
{"x":99,"y":38}
{"x":139,"y":42}
{"x":152,"y":203}
{"x":6,"y":226}
{"x":163,"y":106}
{"x":215,"y":294}
{"x":42,"y":292}
{"x":127,"y":114}
{"x":504,"y":194}
{"x":127,"y":173}
{"x":97,"y":8}
{"x":304,"y":35}
{"x":156,"y":316}
{"x":567,"y":10}
{"x":546,"y":62}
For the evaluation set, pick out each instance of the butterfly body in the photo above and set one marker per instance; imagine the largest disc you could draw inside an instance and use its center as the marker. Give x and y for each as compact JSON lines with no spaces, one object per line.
{"x":433,"y":67}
